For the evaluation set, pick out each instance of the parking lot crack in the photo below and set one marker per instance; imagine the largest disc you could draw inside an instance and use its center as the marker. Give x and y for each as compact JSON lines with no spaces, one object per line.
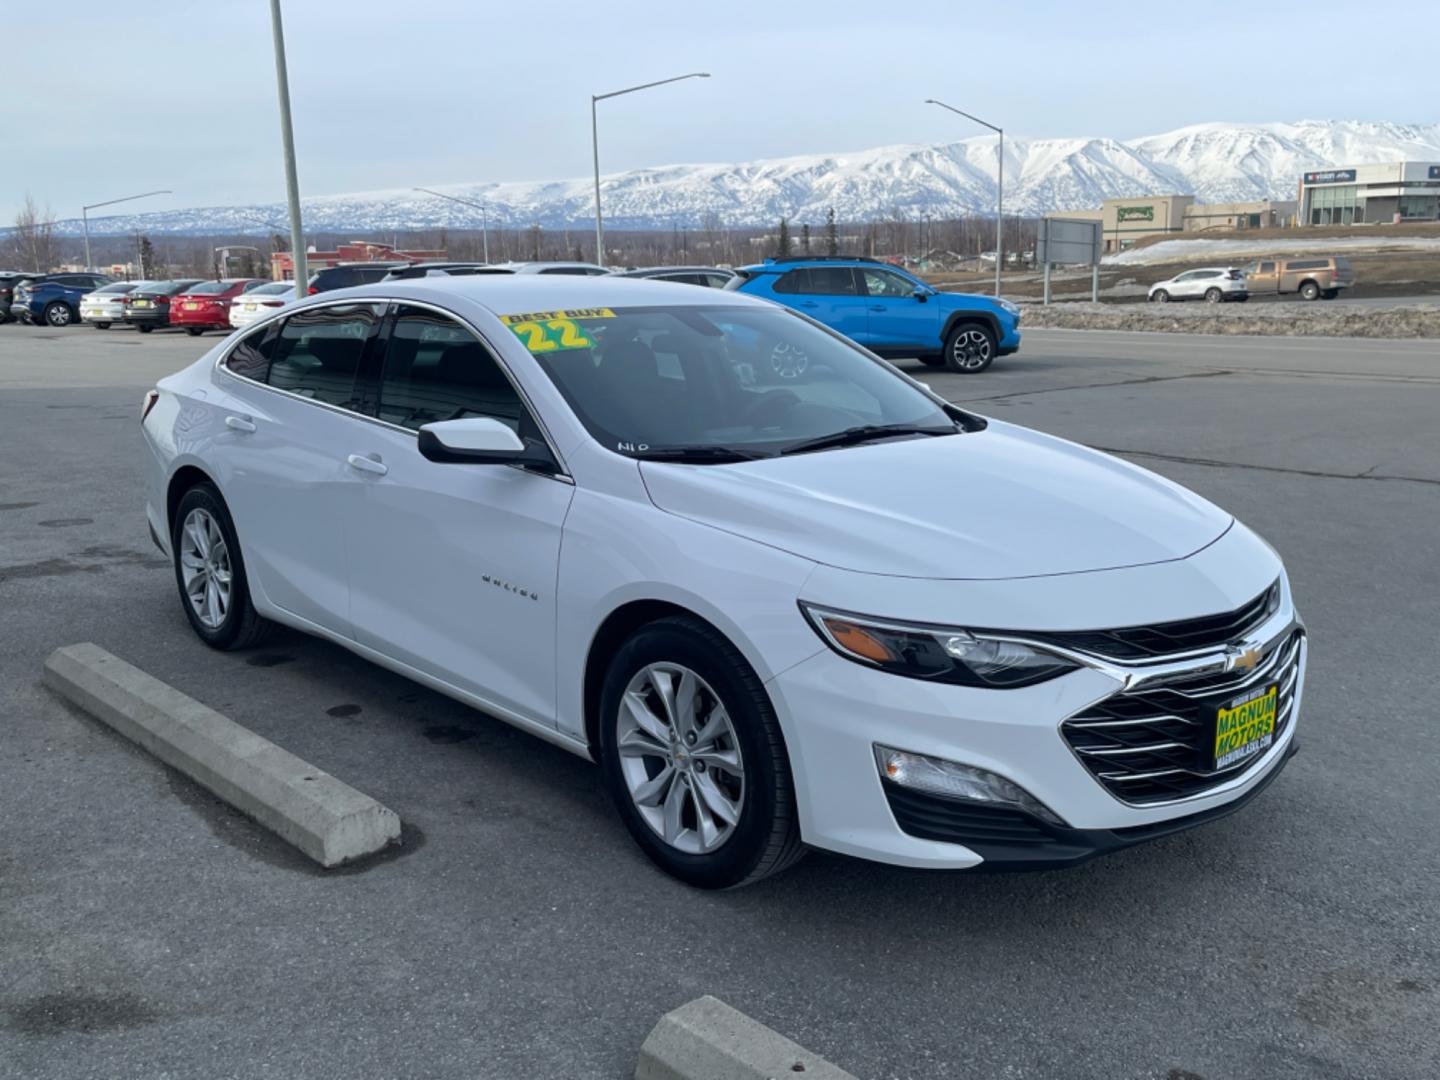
{"x":1367,"y":474}
{"x":1104,"y":385}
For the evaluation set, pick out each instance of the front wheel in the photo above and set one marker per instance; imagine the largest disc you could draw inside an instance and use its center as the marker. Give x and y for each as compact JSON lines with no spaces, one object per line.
{"x":102,"y":326}
{"x":1160,"y":296}
{"x":969,"y":349}
{"x":694,"y":759}
{"x":59,"y":314}
{"x":194,"y":331}
{"x":210,"y":572}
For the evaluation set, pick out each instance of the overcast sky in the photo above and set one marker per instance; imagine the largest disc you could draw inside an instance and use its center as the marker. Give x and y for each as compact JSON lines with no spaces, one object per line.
{"x":125,"y":97}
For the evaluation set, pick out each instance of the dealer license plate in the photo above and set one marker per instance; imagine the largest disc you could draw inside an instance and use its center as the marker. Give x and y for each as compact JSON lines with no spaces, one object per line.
{"x":142,"y":303}
{"x":1246,"y":726}
{"x":192,"y":307}
{"x":249,"y":307}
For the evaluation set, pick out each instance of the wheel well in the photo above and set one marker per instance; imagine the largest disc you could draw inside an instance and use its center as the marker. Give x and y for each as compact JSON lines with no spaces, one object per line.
{"x":961,"y":318}
{"x":185,"y":478}
{"x":1308,"y":281}
{"x":617,"y":628}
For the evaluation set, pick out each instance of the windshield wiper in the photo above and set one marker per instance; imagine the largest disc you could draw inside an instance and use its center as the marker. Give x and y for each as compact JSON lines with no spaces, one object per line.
{"x":713,"y":455}
{"x":863,"y":433}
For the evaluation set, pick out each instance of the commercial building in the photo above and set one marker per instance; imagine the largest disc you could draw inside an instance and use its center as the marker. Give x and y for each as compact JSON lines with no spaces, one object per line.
{"x":1394,"y":191}
{"x":282,"y":264}
{"x":1125,"y":221}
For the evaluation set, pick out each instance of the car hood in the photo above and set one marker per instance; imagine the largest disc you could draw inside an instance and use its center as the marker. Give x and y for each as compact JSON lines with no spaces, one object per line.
{"x":1004,"y":502}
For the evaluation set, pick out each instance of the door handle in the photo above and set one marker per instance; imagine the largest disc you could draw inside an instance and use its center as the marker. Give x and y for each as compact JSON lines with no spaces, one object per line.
{"x":240,"y":423}
{"x":878,"y":307}
{"x":368,"y":464}
{"x":807,"y":303}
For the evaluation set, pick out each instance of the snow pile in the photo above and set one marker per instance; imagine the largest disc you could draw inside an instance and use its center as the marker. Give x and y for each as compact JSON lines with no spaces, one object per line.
{"x":1221,"y":251}
{"x":1288,"y":320}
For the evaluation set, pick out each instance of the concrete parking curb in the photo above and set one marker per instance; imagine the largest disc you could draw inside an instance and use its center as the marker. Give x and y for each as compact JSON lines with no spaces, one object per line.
{"x":708,"y":1040}
{"x":324,"y":817}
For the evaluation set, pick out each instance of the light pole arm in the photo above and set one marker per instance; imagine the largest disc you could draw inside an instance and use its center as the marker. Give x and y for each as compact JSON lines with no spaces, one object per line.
{"x":999,"y":185}
{"x":648,"y":85}
{"x":85,"y":214}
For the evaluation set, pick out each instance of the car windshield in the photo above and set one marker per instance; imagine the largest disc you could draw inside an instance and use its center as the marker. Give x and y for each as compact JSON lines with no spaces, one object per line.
{"x":749,"y":381}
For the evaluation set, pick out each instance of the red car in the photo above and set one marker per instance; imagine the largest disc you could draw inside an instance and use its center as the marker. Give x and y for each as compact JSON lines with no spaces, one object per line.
{"x":207,"y":306}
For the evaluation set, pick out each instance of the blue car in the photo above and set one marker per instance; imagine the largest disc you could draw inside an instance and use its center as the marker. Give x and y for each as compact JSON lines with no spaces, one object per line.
{"x":888,"y":311}
{"x":54,"y":298}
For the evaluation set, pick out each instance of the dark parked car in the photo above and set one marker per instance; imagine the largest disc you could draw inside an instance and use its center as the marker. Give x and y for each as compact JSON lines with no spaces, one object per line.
{"x":54,"y":298}
{"x":8,"y":280}
{"x":711,"y":276}
{"x":443,"y":269}
{"x":149,"y":305}
{"x":348,"y":274}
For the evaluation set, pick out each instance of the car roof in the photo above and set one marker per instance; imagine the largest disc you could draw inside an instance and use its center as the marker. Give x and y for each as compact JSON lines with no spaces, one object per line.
{"x":792,"y":262}
{"x":648,"y":271}
{"x":513,"y":294}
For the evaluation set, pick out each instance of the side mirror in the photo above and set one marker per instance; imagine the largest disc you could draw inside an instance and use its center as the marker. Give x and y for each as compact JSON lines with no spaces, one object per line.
{"x":923,"y":295}
{"x":481,"y":441}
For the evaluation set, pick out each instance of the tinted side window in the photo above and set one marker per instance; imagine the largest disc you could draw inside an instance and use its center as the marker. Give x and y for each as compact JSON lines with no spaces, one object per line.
{"x":1267,"y":268}
{"x":317,"y":353}
{"x":574,"y":271}
{"x":435,"y":369}
{"x":251,"y":358}
{"x":831,"y":281}
{"x":790,"y":283}
{"x":1307,"y":264}
{"x":884,"y":283}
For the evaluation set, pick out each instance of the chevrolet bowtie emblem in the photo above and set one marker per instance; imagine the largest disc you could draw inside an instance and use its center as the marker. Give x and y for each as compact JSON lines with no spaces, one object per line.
{"x":1244,"y":661}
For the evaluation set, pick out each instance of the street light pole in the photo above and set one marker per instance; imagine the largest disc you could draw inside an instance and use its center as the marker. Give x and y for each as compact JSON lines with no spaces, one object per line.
{"x":287,"y":137}
{"x":484,"y":217}
{"x":85,"y":214}
{"x":595,"y":147}
{"x":999,"y":187}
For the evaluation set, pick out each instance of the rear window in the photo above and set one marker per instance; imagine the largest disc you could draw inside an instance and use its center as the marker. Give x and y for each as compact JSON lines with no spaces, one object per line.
{"x":1307,"y":264}
{"x":273,"y":288}
{"x":211,"y":288}
{"x":116,"y":287}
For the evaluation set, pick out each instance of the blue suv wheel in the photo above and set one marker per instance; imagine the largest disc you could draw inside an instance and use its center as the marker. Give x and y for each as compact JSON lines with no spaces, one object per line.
{"x":887,"y":310}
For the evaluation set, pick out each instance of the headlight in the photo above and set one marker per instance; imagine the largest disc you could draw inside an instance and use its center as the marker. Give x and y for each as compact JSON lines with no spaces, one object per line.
{"x":1013,"y":309}
{"x":935,"y":653}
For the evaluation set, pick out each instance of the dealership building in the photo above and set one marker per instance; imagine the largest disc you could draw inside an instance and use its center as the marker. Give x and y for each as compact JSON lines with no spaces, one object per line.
{"x":1124,"y":221}
{"x":1371,"y":194}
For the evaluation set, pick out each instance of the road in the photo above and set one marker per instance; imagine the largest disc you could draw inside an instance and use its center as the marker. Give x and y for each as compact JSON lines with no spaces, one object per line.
{"x":146,"y":930}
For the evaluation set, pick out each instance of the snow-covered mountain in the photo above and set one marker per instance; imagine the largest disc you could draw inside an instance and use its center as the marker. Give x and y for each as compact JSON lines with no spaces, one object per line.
{"x":1217,"y":162}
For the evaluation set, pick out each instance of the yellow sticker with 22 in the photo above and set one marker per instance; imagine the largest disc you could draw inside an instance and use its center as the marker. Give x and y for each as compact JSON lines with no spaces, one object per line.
{"x":552,"y":331}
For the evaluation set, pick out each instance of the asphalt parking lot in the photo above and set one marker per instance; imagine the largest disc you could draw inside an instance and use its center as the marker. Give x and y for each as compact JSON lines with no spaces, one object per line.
{"x":146,"y":930}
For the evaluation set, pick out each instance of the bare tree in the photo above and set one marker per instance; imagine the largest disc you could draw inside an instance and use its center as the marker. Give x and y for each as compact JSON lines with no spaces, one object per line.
{"x":35,"y":236}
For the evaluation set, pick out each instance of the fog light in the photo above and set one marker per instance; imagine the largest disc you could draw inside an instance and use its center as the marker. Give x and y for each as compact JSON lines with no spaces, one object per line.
{"x":951,"y":780}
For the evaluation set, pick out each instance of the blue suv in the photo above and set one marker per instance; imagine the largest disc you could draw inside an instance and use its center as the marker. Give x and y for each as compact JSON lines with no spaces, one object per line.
{"x":54,"y":298}
{"x":888,"y":311}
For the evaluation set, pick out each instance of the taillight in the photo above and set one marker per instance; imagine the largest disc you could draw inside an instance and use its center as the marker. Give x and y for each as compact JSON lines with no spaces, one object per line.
{"x":311,"y":291}
{"x":151,"y":397}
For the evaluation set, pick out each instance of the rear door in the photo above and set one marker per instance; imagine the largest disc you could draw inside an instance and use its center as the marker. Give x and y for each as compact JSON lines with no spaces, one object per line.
{"x":827,"y":293}
{"x":285,"y":428}
{"x":453,"y":567}
{"x":897,"y":320}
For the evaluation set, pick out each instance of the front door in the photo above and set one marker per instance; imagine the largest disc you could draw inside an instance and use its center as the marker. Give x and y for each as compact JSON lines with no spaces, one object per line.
{"x":899,"y":321}
{"x":1262,"y":277}
{"x":453,"y":567}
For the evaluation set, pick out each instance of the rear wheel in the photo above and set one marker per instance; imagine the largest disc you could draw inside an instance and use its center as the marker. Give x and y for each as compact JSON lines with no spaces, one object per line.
{"x":210,"y":572}
{"x":1213,"y":296}
{"x":102,"y":326}
{"x":1160,"y":296}
{"x":1330,"y":294}
{"x":969,"y":349}
{"x":1310,"y":291}
{"x":694,"y":759}
{"x":194,"y":331}
{"x":58,"y":313}
{"x":144,"y":328}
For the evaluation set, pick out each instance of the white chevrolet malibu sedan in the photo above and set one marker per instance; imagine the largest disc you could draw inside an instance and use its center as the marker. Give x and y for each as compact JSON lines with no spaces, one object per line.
{"x":827,"y":609}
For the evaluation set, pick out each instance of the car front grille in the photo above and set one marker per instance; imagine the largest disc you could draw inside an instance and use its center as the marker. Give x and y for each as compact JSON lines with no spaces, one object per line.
{"x":1153,"y":744}
{"x":1167,"y":639}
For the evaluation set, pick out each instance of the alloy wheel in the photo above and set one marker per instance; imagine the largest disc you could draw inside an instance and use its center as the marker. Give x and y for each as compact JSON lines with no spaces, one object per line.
{"x":680,"y":758}
{"x":58,"y":315}
{"x":205,"y":567}
{"x":971,"y":350}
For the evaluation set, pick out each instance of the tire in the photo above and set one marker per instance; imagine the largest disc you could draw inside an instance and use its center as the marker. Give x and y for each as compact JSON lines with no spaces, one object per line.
{"x":101,"y":325}
{"x":194,"y":331}
{"x":58,"y":313}
{"x":144,"y":328}
{"x":932,"y":361}
{"x":1161,"y":296}
{"x":1310,"y":291}
{"x":1330,"y":294}
{"x":969,"y":348}
{"x":754,"y":785}
{"x":204,"y":547}
{"x":1214,"y":296}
